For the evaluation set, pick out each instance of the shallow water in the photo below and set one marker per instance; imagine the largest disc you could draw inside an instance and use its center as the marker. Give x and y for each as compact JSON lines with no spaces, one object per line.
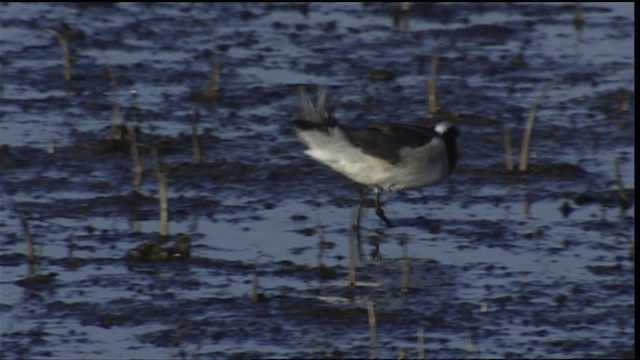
{"x":496,"y":268}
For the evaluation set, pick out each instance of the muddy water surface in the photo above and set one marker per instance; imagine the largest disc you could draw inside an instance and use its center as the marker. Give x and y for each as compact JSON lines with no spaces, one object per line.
{"x":490,"y":263}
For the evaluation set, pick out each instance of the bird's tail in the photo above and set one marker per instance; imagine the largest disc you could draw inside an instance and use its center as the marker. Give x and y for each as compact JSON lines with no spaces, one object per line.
{"x":314,"y":117}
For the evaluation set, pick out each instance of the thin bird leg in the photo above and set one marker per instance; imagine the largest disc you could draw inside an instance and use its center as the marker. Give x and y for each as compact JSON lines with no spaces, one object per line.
{"x":361,"y":206}
{"x":379,"y":210}
{"x":357,"y":221}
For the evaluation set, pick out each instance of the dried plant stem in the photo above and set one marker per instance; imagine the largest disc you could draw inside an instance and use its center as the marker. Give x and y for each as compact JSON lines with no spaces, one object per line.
{"x":526,"y":138}
{"x":405,"y":269}
{"x":357,"y":220}
{"x":371,"y":311}
{"x":255,"y":287}
{"x":352,"y":258}
{"x":470,"y":348}
{"x":578,"y":18}
{"x":632,"y":246}
{"x":624,"y":105}
{"x":401,"y":354}
{"x":28,"y":240}
{"x":421,"y":341}
{"x":195,"y":119}
{"x":65,"y":53}
{"x":432,"y":103}
{"x":162,"y":193}
{"x":526,"y":209}
{"x":71,"y":244}
{"x":623,"y":195}
{"x":214,"y":86}
{"x":161,"y":175}
{"x":508,"y":153}
{"x":196,"y":146}
{"x":320,"y":229}
{"x":116,"y":128}
{"x":357,"y":216}
{"x":135,"y":155}
{"x":164,"y":204}
{"x":51,"y":148}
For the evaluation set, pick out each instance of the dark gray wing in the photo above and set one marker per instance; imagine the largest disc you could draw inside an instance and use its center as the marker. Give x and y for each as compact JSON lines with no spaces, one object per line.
{"x":385,"y":141}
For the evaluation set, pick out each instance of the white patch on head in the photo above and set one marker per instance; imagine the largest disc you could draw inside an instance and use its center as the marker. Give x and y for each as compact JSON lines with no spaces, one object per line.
{"x":442,"y":127}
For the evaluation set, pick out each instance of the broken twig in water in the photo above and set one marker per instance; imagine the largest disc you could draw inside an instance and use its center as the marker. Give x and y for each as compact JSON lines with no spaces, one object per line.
{"x":214,"y":86}
{"x":135,"y":155}
{"x":526,"y":138}
{"x":421,"y":341}
{"x":352,"y":257}
{"x":65,"y":54}
{"x":623,"y":196}
{"x":371,"y":311}
{"x":28,"y":240}
{"x":432,"y":102}
{"x":508,"y":153}
{"x":116,"y":129}
{"x":406,"y":267}
{"x":195,"y":120}
{"x":164,"y":203}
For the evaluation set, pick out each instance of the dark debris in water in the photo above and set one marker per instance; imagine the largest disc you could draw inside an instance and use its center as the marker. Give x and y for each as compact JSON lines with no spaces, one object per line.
{"x":157,"y":251}
{"x":36,"y":281}
{"x":604,"y":269}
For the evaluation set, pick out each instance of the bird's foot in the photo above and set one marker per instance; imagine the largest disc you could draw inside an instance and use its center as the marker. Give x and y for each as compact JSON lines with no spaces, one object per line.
{"x":384,"y":218}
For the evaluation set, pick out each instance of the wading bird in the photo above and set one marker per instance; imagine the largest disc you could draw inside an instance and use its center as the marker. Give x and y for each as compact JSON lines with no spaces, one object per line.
{"x":389,"y":156}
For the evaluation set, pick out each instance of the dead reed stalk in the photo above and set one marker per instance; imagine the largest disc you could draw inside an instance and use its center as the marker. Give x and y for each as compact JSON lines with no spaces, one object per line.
{"x":65,"y":54}
{"x":616,"y":170}
{"x":508,"y":153}
{"x":321,"y":242}
{"x":406,"y":267}
{"x":578,"y":18}
{"x":195,"y":119}
{"x":71,"y":245}
{"x":470,"y":348}
{"x":526,"y":209}
{"x":526,"y":138}
{"x":116,"y":129}
{"x":135,"y":155}
{"x":357,"y":216}
{"x":214,"y":86}
{"x":352,"y":258}
{"x":51,"y":148}
{"x":432,"y":103}
{"x":371,"y":311}
{"x":161,"y":175}
{"x":401,"y":354}
{"x":164,"y":203}
{"x":255,"y":295}
{"x":28,"y":240}
{"x":632,"y":246}
{"x":624,"y":104}
{"x":421,"y":341}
